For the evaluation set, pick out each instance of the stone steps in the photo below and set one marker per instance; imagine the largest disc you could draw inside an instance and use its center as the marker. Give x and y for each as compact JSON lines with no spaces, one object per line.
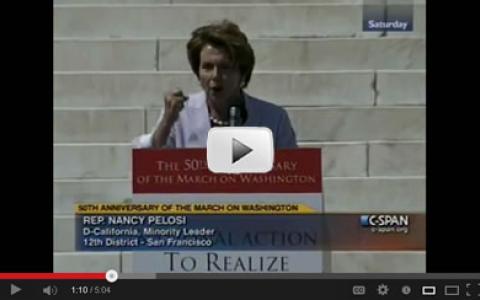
{"x":165,"y":54}
{"x":378,"y":262}
{"x":340,"y":159}
{"x":110,"y":125}
{"x":121,"y":125}
{"x":348,"y":123}
{"x":68,"y":191}
{"x":166,"y":20}
{"x":255,"y":19}
{"x":288,"y":88}
{"x":358,"y":123}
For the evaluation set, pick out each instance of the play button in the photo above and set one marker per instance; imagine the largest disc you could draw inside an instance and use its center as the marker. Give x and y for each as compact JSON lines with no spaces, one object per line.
{"x":240,"y":150}
{"x":14,"y":289}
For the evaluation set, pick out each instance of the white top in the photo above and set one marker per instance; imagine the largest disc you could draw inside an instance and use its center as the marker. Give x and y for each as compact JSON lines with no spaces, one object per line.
{"x":191,"y":128}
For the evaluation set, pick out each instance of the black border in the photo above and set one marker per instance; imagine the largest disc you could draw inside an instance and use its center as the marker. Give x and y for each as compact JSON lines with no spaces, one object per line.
{"x":27,"y":119}
{"x":452,"y":221}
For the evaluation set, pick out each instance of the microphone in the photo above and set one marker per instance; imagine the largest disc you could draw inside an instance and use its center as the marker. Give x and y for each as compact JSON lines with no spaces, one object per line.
{"x":235,"y":116}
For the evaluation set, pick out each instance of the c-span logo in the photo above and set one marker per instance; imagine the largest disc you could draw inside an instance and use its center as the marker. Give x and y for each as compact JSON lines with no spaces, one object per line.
{"x":385,"y":223}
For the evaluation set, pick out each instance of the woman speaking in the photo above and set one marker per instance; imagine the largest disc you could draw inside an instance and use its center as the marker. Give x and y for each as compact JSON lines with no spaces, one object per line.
{"x":222,"y":59}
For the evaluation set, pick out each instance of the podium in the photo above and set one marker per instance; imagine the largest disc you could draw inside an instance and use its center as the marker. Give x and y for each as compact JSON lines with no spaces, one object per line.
{"x":232,"y":223}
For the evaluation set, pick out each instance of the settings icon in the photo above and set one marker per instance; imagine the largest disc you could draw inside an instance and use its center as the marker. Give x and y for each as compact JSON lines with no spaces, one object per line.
{"x":382,"y":289}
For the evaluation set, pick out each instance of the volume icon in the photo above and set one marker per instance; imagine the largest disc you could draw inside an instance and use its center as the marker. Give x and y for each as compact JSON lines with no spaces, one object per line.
{"x":50,"y":290}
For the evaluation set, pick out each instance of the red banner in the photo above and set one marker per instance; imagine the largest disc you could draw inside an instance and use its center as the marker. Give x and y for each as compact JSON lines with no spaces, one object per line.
{"x":186,"y":171}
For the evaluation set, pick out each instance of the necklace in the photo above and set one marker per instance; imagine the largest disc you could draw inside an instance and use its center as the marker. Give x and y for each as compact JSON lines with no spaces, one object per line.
{"x":218,"y":122}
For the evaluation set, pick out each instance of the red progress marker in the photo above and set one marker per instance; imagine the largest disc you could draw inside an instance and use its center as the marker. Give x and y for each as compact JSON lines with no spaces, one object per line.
{"x":34,"y":276}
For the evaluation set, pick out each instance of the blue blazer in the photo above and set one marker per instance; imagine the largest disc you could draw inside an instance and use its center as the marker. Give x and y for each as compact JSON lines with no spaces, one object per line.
{"x":191,"y":128}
